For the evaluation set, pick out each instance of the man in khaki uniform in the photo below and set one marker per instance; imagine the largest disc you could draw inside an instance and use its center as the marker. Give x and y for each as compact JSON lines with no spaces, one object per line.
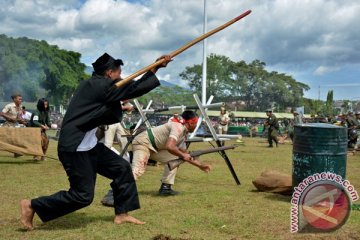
{"x":13,"y":111}
{"x":12,"y":114}
{"x":163,"y":143}
{"x":224,"y":120}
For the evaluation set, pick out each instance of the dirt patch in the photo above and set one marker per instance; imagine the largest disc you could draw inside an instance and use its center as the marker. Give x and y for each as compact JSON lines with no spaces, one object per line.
{"x":164,"y":237}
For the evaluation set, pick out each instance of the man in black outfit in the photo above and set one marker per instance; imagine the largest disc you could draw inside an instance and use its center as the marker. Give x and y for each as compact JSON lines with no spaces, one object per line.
{"x":95,"y":102}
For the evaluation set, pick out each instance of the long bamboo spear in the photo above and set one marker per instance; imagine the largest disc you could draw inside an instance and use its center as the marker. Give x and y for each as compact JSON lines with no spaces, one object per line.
{"x":181,"y":49}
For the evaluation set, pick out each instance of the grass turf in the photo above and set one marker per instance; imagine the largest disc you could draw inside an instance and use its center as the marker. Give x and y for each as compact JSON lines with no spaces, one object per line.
{"x":211,"y":206}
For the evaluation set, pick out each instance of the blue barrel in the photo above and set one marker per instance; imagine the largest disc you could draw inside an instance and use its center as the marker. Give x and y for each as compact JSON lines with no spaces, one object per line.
{"x":318,"y":147}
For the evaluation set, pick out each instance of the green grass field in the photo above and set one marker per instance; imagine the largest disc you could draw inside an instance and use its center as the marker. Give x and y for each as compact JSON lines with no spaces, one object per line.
{"x":211,"y":206}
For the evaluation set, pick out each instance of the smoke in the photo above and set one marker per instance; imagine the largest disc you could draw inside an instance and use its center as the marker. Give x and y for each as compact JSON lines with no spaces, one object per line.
{"x":25,"y":79}
{"x":28,"y":85}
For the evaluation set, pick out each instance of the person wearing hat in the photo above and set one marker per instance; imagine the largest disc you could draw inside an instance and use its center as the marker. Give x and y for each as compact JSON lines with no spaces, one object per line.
{"x":224,"y":120}
{"x":273,"y":128}
{"x":95,"y":102}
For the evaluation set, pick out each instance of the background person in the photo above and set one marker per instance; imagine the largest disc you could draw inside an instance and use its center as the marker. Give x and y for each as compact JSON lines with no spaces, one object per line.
{"x":42,"y":120}
{"x":224,"y":120}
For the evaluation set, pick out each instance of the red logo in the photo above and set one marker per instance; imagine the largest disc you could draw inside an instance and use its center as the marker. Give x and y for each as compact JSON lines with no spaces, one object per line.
{"x":324,"y":206}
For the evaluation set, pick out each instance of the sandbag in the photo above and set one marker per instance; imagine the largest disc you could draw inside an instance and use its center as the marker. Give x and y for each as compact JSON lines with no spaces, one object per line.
{"x":274,"y":182}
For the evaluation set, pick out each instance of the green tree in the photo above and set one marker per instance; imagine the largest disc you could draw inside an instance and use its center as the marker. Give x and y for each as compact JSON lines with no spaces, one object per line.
{"x":329,"y":109}
{"x":251,"y":83}
{"x":37,"y":69}
{"x":218,"y":75}
{"x":168,"y":96}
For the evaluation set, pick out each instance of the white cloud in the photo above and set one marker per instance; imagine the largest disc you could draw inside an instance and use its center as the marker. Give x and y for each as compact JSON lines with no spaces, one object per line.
{"x":321,"y":70}
{"x":74,"y":44}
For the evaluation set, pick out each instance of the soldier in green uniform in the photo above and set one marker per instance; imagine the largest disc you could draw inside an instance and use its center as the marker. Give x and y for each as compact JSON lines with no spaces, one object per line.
{"x":357,"y":116}
{"x":351,"y":121}
{"x":273,"y":127}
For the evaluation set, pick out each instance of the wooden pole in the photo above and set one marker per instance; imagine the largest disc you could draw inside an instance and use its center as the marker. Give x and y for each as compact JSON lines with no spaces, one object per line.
{"x":181,"y":49}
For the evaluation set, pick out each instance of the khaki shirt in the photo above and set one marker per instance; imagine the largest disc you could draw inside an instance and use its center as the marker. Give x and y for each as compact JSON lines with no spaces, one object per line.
{"x":161,"y":134}
{"x":13,"y":111}
{"x":224,"y":119}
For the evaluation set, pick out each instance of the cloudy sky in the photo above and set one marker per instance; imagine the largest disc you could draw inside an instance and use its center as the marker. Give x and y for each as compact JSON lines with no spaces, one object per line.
{"x":317,"y":41}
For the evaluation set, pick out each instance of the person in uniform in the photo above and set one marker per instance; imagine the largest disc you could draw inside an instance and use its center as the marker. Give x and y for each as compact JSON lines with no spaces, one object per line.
{"x":296,"y":121}
{"x":351,"y":122}
{"x":352,"y":125}
{"x":224,"y":120}
{"x":168,"y":178}
{"x":273,"y":128}
{"x":297,"y":118}
{"x":163,"y":144}
{"x":117,"y":130}
{"x":95,"y":102}
{"x":12,"y":112}
{"x":357,"y":117}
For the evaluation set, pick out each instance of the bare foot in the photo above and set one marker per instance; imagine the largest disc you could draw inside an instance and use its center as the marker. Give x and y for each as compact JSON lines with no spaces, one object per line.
{"x":125,"y":218}
{"x":27,"y":214}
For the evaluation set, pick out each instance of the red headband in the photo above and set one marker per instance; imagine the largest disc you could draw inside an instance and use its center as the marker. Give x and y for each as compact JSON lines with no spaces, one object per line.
{"x":192,"y":120}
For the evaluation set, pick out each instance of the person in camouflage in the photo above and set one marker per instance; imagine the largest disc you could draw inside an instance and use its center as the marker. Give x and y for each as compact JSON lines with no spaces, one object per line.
{"x":273,"y":127}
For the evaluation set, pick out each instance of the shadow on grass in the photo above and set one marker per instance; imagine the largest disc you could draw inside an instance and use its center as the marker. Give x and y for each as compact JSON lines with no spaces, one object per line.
{"x":72,"y":221}
{"x":273,"y":196}
{"x":149,"y":193}
{"x":203,"y":182}
{"x":279,"y":197}
{"x":21,"y":162}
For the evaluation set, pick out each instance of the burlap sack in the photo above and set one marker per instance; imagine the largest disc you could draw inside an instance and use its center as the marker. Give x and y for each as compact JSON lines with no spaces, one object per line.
{"x":275,"y":182}
{"x":24,"y":141}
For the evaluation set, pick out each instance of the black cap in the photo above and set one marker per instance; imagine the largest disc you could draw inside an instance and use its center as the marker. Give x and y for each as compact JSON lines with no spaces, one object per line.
{"x":106,"y":62}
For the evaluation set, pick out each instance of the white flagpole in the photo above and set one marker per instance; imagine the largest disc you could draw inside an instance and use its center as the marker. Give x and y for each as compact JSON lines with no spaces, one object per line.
{"x":204,"y":67}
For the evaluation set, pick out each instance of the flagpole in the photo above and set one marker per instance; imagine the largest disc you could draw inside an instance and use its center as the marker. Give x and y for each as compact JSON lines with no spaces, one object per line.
{"x":204,"y":66}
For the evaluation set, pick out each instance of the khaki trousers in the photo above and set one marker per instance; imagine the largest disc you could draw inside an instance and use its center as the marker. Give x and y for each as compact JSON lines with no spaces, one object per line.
{"x":141,"y":157}
{"x":116,"y":130}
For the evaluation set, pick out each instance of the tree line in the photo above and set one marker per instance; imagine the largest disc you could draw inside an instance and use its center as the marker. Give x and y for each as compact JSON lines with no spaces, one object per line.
{"x":36,"y":69}
{"x":251,"y":83}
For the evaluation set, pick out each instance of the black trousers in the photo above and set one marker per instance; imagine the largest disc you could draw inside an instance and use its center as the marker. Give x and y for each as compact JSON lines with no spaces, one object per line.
{"x":81,"y":168}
